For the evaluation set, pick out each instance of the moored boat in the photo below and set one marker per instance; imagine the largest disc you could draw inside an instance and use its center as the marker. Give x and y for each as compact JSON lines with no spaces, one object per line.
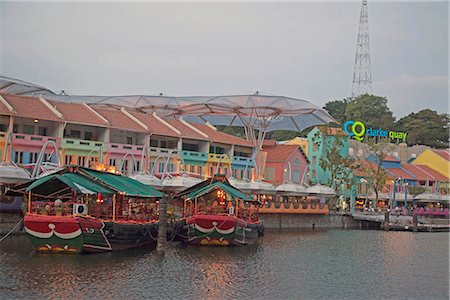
{"x":81,"y":210}
{"x":217,"y":214}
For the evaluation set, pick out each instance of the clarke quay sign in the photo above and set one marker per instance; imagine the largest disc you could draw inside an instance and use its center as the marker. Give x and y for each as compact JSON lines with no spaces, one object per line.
{"x":357,"y":130}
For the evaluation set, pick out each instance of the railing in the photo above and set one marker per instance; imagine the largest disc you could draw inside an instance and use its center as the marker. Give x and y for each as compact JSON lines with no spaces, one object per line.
{"x":155,"y":151}
{"x":302,"y":207}
{"x":69,"y":143}
{"x":104,"y":211}
{"x":218,"y":157}
{"x":438,"y":212}
{"x":33,"y":140}
{"x":243,"y":161}
{"x":194,"y":155}
{"x":125,"y":148}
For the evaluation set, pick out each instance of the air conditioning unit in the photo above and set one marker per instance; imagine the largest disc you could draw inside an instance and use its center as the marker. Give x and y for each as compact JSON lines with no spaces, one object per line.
{"x":80,"y":209}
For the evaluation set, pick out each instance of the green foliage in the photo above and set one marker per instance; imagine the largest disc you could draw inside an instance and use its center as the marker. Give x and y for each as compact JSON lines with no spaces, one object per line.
{"x":337,"y":109}
{"x":426,"y":127}
{"x":332,"y":160}
{"x":372,"y":110}
{"x":283,"y":135}
{"x":233,"y":130}
{"x":416,"y":190}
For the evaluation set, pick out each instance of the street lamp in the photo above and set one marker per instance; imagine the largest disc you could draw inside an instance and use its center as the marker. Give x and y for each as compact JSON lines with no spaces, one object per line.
{"x":400,"y":182}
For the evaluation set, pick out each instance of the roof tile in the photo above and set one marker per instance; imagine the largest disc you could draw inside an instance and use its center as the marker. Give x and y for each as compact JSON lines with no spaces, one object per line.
{"x":222,"y":137}
{"x":29,"y":107}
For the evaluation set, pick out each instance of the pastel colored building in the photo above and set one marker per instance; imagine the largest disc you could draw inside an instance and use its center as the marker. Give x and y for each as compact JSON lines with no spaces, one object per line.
{"x":285,"y":163}
{"x":121,"y":136}
{"x":438,"y":160}
{"x":320,"y":140}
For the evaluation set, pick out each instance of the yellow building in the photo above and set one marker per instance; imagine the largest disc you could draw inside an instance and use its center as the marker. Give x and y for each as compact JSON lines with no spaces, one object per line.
{"x":438,"y":160}
{"x":302,"y":142}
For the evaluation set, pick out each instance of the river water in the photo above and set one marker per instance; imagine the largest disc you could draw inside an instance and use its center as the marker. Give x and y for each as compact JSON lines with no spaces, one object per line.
{"x":329,"y":264}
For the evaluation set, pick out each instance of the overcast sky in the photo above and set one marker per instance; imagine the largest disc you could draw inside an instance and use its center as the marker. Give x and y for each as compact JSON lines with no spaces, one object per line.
{"x":304,"y":50}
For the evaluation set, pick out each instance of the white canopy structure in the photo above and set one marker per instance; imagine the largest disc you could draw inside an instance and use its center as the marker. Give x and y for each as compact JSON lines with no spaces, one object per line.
{"x":322,"y":190}
{"x":19,"y":87}
{"x":292,"y":189}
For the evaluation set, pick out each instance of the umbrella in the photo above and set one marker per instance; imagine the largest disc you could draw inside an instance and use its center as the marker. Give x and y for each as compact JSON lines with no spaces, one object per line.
{"x":319,"y":189}
{"x":292,"y":188}
{"x":12,"y":174}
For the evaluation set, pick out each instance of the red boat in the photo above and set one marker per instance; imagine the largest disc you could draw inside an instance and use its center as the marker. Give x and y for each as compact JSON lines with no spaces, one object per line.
{"x":82,"y":210}
{"x":217,"y":214}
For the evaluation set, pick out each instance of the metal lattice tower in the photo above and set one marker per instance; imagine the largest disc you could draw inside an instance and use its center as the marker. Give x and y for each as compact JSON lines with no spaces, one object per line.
{"x":362,"y":76}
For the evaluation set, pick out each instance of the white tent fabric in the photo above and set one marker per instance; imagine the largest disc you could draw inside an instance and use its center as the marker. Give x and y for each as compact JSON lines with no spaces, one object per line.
{"x":18,"y":87}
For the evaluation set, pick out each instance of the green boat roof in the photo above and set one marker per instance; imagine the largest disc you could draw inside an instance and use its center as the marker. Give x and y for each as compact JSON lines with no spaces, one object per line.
{"x":55,"y":184}
{"x":235,"y":193}
{"x":123,"y":184}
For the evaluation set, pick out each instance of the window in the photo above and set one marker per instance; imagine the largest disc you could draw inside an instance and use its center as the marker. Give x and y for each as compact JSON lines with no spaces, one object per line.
{"x":68,"y":160}
{"x":3,"y":127}
{"x":16,"y":128}
{"x":18,"y":157}
{"x":137,"y":165}
{"x":296,"y":176}
{"x":161,"y":167}
{"x":192,"y":169}
{"x":199,"y":170}
{"x":112,"y":162}
{"x":75,"y":133}
{"x":42,"y":131}
{"x":81,"y":160}
{"x":314,"y":160}
{"x":33,"y":157}
{"x":241,"y":172}
{"x":350,"y":151}
{"x":211,"y":171}
{"x":190,"y":147}
{"x":88,"y":135}
{"x":28,"y":129}
{"x":170,"y":168}
{"x":154,"y":143}
{"x":270,"y":173}
{"x":296,"y":162}
{"x":163,"y":144}
{"x":129,"y":140}
{"x":172,"y":144}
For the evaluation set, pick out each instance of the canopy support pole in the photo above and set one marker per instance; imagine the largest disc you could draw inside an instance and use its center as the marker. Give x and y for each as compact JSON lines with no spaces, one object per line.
{"x":114,"y":208}
{"x":29,"y":202}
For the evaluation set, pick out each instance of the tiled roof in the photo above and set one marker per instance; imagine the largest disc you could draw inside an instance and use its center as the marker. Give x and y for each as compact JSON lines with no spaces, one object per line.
{"x":154,"y":125}
{"x":398,"y":172}
{"x":430,"y":173}
{"x":118,"y":119}
{"x":221,"y":137}
{"x":391,"y":158}
{"x":280,"y":153}
{"x":269,"y":143}
{"x":77,"y":113}
{"x":28,"y":107}
{"x":185,"y":130}
{"x":445,"y":153}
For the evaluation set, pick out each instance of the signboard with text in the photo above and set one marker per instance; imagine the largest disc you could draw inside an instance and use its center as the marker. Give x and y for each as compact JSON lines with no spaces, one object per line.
{"x":358,"y":131}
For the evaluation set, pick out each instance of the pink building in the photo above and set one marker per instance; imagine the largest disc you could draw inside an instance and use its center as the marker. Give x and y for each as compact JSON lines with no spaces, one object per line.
{"x":285,"y":163}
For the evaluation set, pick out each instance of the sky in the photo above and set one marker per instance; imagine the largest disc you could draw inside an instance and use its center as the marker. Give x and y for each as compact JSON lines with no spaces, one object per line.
{"x":304,"y":50}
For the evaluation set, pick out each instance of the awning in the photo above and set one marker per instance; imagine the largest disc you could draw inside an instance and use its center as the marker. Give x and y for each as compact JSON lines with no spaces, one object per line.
{"x":123,"y":184}
{"x":219,"y":185}
{"x":61,"y":184}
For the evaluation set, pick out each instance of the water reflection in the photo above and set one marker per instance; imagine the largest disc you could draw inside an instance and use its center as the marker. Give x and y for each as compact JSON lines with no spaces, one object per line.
{"x":331,"y":264}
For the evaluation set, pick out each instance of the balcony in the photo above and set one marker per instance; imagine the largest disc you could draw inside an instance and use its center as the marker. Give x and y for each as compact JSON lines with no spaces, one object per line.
{"x":81,"y":145}
{"x":123,"y":149}
{"x":223,"y":158}
{"x":163,"y":152}
{"x":29,"y":140}
{"x":241,"y":161}
{"x":194,"y":157}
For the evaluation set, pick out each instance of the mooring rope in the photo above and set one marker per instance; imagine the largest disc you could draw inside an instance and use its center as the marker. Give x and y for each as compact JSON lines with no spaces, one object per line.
{"x":5,"y":236}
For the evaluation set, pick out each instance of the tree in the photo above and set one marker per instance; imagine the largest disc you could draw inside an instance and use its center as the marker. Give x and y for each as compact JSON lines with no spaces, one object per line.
{"x":333,"y":160}
{"x":337,"y":109}
{"x":377,"y":173}
{"x":371,"y":110}
{"x":426,"y":127}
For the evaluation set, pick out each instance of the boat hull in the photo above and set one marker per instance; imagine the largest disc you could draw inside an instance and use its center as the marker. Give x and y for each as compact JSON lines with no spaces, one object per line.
{"x":86,"y":235}
{"x":218,"y":231}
